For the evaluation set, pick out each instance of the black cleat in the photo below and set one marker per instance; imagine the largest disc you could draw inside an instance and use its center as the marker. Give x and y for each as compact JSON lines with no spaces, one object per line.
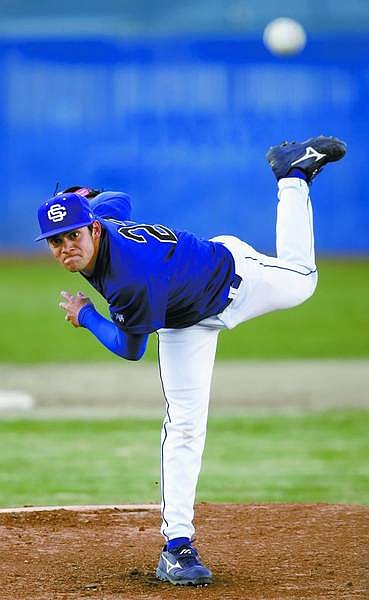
{"x":309,"y":156}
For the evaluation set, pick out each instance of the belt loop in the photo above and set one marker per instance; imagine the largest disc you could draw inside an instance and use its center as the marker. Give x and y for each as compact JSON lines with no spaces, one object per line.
{"x":237,"y":280}
{"x":233,"y":290}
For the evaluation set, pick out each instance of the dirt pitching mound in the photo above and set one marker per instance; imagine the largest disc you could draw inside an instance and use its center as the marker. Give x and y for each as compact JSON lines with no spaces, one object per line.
{"x":261,"y":552}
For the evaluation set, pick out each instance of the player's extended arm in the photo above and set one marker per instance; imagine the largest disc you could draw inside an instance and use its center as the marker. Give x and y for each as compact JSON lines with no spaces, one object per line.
{"x":82,"y":313}
{"x":126,"y":345}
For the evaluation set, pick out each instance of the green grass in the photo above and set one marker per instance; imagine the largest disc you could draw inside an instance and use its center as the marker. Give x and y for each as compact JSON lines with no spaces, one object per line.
{"x":285,"y":458}
{"x":334,"y":323}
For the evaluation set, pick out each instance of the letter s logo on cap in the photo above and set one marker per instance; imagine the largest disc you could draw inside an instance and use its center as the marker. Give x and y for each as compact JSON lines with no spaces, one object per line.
{"x":56,"y":213}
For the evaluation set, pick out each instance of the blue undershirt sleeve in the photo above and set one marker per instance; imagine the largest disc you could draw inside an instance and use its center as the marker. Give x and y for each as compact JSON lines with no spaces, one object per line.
{"x":129,"y":346}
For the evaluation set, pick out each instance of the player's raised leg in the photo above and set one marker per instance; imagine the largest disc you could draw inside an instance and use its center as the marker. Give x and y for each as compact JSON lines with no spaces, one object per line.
{"x":295,"y":165}
{"x":273,"y":283}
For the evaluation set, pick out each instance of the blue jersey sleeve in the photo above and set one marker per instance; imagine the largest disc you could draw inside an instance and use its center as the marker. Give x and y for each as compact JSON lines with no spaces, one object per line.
{"x":140,"y":308}
{"x":112,"y":205}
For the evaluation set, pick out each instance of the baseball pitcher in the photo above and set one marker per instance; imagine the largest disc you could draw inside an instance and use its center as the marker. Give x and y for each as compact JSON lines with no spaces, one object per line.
{"x":156,"y":278}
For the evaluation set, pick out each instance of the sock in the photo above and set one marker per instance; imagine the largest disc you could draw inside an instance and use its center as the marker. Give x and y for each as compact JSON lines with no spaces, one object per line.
{"x":297,"y":173}
{"x":176,"y":542}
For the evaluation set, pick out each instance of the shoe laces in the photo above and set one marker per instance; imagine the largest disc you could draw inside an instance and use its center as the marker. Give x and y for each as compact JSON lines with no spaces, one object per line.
{"x":187,"y":554}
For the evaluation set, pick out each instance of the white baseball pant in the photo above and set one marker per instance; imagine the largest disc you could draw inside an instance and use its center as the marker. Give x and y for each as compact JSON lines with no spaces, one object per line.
{"x":186,"y":356}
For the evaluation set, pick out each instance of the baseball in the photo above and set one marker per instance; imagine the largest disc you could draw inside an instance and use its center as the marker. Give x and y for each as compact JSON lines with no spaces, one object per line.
{"x":284,"y":36}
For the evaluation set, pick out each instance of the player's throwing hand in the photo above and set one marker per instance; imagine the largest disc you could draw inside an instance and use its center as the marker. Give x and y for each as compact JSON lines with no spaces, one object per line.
{"x":73,"y":305}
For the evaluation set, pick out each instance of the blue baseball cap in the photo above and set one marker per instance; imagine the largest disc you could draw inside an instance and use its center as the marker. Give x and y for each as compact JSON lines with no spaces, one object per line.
{"x":64,"y":212}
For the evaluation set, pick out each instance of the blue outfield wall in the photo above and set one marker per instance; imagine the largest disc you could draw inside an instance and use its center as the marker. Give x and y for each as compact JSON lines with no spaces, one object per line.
{"x":183,"y":126}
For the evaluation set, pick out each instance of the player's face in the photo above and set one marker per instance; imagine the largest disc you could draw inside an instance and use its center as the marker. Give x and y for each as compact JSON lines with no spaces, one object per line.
{"x":76,"y":250}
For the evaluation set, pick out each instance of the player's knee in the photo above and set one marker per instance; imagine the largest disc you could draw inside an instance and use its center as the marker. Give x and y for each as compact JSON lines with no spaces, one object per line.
{"x":303,"y":291}
{"x":310,"y":285}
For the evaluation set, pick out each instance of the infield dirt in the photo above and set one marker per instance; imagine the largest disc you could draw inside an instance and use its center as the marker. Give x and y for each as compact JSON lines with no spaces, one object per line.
{"x":256,"y":552}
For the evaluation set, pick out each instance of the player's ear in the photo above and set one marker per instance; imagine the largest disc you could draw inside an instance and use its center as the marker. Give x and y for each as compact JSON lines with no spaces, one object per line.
{"x":96,"y":229}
